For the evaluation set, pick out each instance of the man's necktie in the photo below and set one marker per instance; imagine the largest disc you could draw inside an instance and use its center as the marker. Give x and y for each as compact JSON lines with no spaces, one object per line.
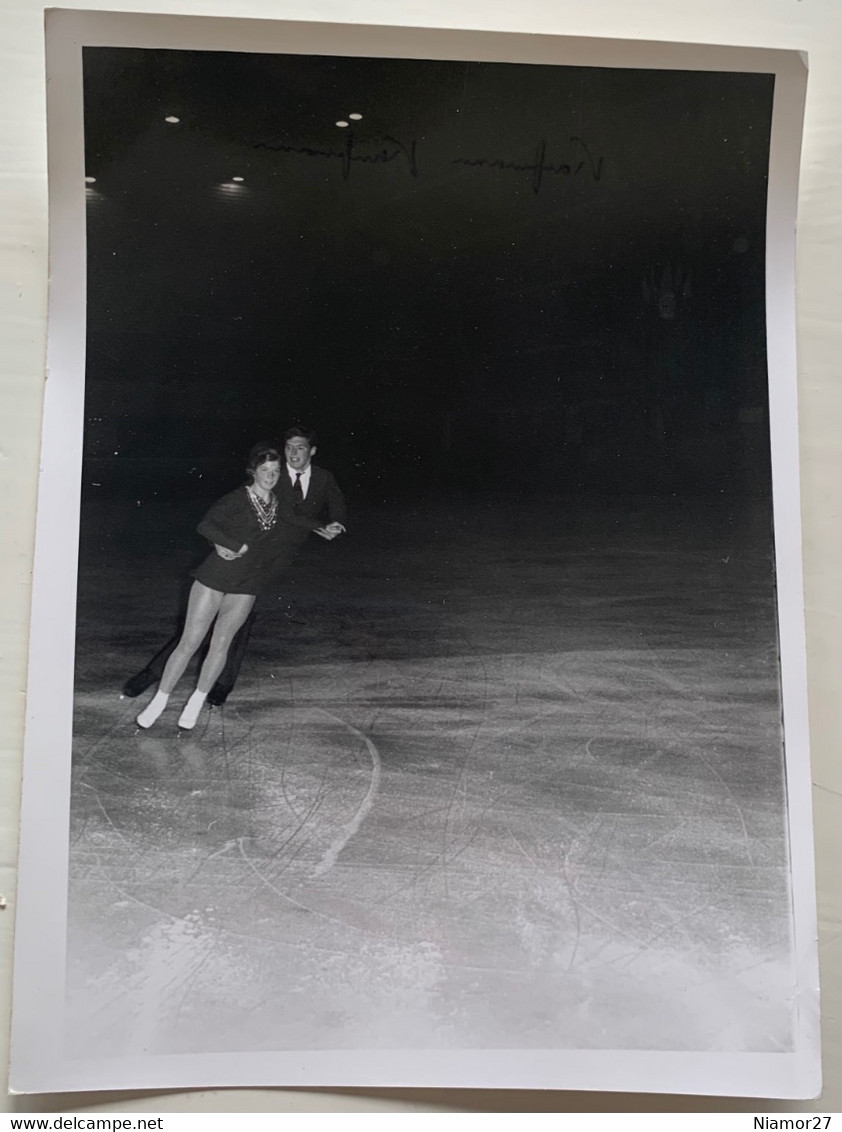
{"x":298,"y":489}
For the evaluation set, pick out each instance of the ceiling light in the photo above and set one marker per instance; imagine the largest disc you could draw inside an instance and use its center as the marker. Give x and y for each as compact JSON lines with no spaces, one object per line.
{"x":172,"y":118}
{"x":90,"y":180}
{"x":342,"y":123}
{"x":238,"y":178}
{"x":355,"y":117}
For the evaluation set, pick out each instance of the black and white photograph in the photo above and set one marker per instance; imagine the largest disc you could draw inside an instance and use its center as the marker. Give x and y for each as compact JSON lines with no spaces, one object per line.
{"x":429,"y":676}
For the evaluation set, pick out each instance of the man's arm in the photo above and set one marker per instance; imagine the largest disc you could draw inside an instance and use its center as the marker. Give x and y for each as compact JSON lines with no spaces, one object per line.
{"x":336,"y":509}
{"x":337,"y":512}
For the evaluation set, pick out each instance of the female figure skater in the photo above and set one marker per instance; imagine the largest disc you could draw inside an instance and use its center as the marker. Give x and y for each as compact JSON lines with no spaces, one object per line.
{"x":223,"y":593}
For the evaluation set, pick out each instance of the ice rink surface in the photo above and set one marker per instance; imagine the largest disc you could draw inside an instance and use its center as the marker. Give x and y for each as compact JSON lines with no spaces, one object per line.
{"x":499,"y":772}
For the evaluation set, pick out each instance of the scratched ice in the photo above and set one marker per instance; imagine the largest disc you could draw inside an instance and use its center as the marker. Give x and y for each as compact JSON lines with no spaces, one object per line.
{"x":547,"y":810}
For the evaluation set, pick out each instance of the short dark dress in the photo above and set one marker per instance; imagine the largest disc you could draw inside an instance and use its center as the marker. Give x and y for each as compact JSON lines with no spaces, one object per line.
{"x":230,"y":522}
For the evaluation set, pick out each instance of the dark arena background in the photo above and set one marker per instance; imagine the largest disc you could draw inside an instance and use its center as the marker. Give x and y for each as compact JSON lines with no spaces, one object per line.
{"x":504,"y":765}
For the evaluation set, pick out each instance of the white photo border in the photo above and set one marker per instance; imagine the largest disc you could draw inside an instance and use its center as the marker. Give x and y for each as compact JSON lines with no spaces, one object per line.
{"x":38,"y":1059}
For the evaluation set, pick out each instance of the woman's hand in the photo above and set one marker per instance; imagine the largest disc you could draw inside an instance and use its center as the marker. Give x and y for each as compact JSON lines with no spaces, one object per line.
{"x":230,"y":555}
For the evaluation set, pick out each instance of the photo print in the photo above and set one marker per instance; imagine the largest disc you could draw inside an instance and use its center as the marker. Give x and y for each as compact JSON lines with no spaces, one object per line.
{"x":427,"y":704}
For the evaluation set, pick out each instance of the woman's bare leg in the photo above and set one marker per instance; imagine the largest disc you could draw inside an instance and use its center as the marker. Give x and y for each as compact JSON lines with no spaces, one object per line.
{"x":233,"y":611}
{"x":232,"y":615}
{"x":202,"y":606}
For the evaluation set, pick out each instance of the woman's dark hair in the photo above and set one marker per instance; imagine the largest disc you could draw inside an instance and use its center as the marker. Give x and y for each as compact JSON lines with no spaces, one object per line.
{"x":262,"y":453}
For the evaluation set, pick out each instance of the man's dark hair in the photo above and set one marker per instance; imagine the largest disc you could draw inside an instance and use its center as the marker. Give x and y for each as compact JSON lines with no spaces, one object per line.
{"x":298,"y":430}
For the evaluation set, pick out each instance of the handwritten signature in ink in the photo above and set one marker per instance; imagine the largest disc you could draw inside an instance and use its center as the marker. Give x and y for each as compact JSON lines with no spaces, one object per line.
{"x":538,"y":166}
{"x":387,"y":149}
{"x":377,"y":151}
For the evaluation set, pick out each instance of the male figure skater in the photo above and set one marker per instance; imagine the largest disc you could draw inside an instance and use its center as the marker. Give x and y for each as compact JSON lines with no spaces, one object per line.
{"x":314,"y":493}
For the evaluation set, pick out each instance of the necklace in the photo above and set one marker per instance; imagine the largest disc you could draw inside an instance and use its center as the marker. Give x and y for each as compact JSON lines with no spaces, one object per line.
{"x":266,"y":510}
